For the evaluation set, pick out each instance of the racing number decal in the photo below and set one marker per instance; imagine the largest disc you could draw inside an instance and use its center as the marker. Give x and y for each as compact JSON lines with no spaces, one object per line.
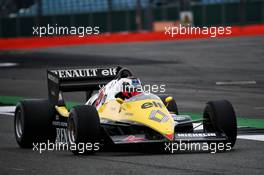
{"x":158,"y":116}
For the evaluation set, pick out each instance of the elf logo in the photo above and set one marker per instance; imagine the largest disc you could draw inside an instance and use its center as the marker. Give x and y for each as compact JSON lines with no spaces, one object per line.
{"x":151,"y":104}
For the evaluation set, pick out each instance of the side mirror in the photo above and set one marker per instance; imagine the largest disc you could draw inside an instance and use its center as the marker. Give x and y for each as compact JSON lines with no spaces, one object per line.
{"x":168,"y":99}
{"x":119,"y":100}
{"x":62,"y":110}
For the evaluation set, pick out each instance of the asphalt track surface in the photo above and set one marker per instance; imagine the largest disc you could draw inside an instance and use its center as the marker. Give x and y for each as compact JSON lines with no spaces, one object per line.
{"x":190,"y":70}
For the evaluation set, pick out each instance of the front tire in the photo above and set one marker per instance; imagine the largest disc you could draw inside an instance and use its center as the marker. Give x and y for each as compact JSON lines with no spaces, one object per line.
{"x":220,"y":117}
{"x":84,"y":128}
{"x":33,"y":123}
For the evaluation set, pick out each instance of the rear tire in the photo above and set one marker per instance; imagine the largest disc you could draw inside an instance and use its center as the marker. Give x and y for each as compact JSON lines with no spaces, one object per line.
{"x":33,"y":123}
{"x":220,"y":117}
{"x":84,"y":128}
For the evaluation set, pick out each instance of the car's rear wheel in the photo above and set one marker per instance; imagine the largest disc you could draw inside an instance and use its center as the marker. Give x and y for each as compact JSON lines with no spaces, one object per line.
{"x":220,"y":117}
{"x":84,"y":129}
{"x":33,"y":123}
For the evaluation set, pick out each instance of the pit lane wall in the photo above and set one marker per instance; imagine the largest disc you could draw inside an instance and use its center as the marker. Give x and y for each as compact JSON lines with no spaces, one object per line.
{"x":37,"y":42}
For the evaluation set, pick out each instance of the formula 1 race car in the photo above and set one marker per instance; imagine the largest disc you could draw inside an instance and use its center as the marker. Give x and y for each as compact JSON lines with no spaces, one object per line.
{"x":117,"y":112}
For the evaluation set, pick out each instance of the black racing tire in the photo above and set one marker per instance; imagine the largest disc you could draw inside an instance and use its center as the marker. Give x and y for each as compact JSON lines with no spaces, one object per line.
{"x":33,"y":123}
{"x":172,"y":107}
{"x":220,"y":117}
{"x":84,"y":128}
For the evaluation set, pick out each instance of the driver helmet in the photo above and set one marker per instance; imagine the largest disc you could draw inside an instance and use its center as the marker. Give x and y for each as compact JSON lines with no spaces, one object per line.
{"x":129,"y":87}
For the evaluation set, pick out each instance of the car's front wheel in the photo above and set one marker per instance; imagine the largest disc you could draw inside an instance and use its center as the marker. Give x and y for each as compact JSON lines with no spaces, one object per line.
{"x":219,"y":116}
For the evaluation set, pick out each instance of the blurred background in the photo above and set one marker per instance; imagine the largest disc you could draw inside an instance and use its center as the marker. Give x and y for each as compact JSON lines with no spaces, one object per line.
{"x":18,"y":16}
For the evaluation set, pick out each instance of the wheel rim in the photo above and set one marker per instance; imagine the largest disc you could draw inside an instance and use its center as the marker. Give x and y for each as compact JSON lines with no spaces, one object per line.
{"x":71,"y":131}
{"x":19,"y":131}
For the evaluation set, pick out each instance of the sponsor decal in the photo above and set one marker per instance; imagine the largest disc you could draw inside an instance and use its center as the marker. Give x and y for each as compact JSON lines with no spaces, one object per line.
{"x":158,"y":116}
{"x":196,"y":135}
{"x":151,"y":104}
{"x":79,"y":73}
{"x":61,"y":124}
{"x":73,"y":73}
{"x":61,"y":135}
{"x":132,"y":138}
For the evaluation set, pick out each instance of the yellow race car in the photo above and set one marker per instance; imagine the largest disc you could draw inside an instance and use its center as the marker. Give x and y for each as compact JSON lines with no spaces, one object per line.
{"x":116,"y":112}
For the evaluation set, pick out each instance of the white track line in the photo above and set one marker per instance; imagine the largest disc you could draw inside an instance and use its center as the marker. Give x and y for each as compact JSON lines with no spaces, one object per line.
{"x":259,"y":107}
{"x":7,"y":109}
{"x":7,"y":114}
{"x":219,"y":83}
{"x":8,"y":64}
{"x":251,"y":137}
